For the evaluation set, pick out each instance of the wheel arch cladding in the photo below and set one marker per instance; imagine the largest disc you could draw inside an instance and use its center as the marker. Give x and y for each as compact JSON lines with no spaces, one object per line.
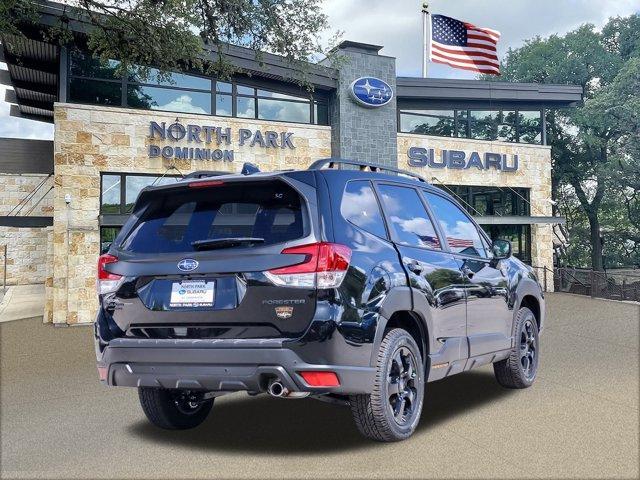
{"x":532,"y":303}
{"x":411,"y":323}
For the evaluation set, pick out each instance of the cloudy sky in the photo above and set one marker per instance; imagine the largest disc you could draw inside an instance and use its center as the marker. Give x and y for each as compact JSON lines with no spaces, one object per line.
{"x":396,"y":24}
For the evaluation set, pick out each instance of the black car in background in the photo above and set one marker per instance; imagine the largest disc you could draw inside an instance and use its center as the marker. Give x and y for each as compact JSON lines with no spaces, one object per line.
{"x":346,"y":282}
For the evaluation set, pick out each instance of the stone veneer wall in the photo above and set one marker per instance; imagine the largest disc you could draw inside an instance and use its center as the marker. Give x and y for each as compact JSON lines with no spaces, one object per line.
{"x":534,"y":172}
{"x":26,"y":247}
{"x":89,"y":140}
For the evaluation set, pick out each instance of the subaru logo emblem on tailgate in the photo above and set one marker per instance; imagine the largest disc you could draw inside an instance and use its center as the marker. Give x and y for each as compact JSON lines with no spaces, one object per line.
{"x":187,"y":264}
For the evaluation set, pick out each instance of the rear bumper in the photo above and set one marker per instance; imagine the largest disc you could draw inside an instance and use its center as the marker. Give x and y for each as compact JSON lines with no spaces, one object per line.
{"x":220,"y":365}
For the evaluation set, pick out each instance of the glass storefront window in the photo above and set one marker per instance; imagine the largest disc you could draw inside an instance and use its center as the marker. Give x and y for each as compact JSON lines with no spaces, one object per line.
{"x":94,"y":82}
{"x":84,"y":64}
{"x":107,"y":236}
{"x":157,"y":98}
{"x":429,"y":122}
{"x":483,"y":125}
{"x":116,"y":201}
{"x":224,"y":87}
{"x":246,"y":107}
{"x":111,"y":198}
{"x":95,"y":92}
{"x":530,"y":127}
{"x":224,"y":105}
{"x":282,"y":110}
{"x":152,"y":75}
{"x":502,"y":125}
{"x":321,"y":113}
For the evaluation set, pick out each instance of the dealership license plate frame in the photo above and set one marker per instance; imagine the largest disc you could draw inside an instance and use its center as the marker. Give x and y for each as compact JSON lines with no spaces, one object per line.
{"x":200,"y":293}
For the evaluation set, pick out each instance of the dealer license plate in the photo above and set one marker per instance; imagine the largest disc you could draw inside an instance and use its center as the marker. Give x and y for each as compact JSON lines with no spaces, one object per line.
{"x":192,"y":293}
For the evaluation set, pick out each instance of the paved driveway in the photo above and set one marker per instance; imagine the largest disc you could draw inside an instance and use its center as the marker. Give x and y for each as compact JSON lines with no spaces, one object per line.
{"x":579,"y":420}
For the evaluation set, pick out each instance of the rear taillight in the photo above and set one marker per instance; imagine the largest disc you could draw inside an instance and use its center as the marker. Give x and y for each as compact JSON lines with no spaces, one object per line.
{"x":324,"y":266}
{"x":107,"y":282}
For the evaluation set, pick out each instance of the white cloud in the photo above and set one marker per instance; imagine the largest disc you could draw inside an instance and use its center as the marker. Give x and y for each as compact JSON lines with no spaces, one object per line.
{"x":398,"y":25}
{"x":19,"y":127}
{"x":184,"y":103}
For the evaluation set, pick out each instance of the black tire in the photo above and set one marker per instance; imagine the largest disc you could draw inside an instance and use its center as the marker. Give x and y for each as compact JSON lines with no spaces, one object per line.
{"x":174,"y":409}
{"x":520,"y":368}
{"x":374,"y":413}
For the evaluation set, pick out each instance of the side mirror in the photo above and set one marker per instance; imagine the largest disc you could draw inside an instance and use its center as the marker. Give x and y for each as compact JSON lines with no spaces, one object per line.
{"x":501,"y":249}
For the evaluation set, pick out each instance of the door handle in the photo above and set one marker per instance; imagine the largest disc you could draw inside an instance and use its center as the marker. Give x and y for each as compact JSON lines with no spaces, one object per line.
{"x":414,"y":267}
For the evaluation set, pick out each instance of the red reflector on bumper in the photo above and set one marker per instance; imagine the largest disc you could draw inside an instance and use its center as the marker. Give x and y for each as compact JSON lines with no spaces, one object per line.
{"x":102,"y":372}
{"x":320,"y":379}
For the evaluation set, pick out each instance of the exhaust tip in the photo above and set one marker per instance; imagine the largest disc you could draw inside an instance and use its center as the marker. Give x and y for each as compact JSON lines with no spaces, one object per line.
{"x":277,"y":389}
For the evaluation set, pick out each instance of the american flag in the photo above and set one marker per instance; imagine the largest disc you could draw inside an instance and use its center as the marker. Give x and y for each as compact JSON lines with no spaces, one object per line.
{"x":459,"y":242}
{"x":463,"y":45}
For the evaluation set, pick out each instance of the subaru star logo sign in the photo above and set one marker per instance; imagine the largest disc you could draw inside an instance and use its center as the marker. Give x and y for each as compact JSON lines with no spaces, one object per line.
{"x":371,"y":92}
{"x":187,"y":264}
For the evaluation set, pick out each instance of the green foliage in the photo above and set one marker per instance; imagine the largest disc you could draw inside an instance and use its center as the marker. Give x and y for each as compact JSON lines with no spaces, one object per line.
{"x":595,"y":147}
{"x":172,"y":35}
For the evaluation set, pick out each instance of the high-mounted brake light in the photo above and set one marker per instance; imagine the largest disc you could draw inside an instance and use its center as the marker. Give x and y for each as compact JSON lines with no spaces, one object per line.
{"x":207,"y":183}
{"x":324,"y":266}
{"x":107,"y":282}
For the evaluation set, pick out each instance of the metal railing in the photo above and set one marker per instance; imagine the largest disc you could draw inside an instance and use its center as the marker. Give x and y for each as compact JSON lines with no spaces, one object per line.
{"x":612,"y":285}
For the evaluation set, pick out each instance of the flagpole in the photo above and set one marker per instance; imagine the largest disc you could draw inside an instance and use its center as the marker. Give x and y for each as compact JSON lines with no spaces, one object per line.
{"x":426,"y":37}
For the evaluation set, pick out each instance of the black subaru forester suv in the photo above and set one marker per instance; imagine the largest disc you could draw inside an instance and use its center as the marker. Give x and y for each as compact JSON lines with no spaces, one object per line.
{"x":346,"y":282}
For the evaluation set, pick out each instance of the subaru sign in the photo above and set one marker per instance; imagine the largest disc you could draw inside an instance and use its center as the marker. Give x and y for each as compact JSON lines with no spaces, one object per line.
{"x":371,"y":92}
{"x":187,"y":264}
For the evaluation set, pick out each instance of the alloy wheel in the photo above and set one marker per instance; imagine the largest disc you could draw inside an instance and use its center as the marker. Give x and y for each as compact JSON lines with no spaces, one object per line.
{"x":401,"y":386}
{"x":528,"y":349}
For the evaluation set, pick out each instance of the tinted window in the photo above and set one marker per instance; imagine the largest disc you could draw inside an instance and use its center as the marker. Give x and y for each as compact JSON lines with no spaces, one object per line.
{"x":283,"y":110}
{"x":462,"y":235}
{"x":360,"y":207}
{"x":95,"y":92}
{"x":176,"y":219}
{"x":135,"y":183}
{"x":155,"y":98}
{"x":110,"y":194}
{"x":428,"y":122}
{"x":152,"y":75}
{"x":407,"y":217}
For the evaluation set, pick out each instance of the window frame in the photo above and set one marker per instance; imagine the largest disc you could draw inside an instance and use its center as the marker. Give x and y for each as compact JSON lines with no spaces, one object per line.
{"x":483,"y":235}
{"x":391,"y":231}
{"x":125,"y":82}
{"x":123,"y":189}
{"x":462,"y":129}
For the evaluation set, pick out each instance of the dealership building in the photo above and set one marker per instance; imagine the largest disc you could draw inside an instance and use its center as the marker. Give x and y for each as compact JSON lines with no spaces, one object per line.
{"x":63,"y":201}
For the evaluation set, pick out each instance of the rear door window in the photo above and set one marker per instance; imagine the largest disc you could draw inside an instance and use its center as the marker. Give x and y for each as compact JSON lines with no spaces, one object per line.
{"x":360,"y":207}
{"x":174,"y":219}
{"x":407,"y":217}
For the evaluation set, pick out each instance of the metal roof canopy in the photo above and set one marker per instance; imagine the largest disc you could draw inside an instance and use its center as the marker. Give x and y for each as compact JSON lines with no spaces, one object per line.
{"x":20,"y":155}
{"x":412,"y":92}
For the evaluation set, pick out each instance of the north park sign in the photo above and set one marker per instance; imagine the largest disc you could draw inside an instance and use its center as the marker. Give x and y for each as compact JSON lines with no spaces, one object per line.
{"x":199,"y":136}
{"x":459,"y":160}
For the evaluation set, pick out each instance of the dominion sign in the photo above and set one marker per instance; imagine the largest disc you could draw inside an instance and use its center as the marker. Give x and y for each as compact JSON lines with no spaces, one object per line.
{"x":457,"y":159}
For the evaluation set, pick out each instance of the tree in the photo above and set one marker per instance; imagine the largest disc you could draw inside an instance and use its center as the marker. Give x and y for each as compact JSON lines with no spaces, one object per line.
{"x":172,"y":35}
{"x":594,"y":146}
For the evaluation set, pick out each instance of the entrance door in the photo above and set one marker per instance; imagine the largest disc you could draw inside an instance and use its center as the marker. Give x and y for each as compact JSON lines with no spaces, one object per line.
{"x":434,"y":275}
{"x":489,"y":314}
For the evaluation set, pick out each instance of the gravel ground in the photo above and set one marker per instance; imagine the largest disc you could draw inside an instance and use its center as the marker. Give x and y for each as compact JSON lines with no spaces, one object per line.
{"x":580,"y":419}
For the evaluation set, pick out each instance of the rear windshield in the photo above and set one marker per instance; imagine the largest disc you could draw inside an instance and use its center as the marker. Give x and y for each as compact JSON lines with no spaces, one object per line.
{"x":174,"y":219}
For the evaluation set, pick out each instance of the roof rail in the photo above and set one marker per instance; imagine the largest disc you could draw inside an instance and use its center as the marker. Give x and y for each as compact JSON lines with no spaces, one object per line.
{"x":362,"y":166}
{"x":204,"y":174}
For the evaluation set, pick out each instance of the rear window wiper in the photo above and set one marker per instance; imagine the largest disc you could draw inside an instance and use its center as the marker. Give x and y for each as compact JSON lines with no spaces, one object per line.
{"x":213,"y":243}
